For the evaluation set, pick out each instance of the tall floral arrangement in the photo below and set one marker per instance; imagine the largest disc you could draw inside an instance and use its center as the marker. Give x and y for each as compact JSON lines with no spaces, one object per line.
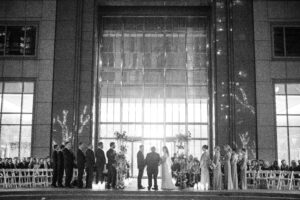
{"x":121,"y":162}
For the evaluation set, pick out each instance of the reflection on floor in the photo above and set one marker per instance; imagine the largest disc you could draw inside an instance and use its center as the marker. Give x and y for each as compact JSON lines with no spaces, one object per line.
{"x":131,"y":185}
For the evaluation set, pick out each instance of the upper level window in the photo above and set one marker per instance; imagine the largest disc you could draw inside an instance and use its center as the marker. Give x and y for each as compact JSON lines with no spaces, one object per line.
{"x":286,"y":41}
{"x":18,"y":40}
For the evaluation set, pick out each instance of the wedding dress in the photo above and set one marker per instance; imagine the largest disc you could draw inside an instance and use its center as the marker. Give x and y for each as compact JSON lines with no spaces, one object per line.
{"x":166,"y":182}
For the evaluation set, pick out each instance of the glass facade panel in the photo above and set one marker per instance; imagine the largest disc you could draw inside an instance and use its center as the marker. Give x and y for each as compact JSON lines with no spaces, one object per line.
{"x":163,"y":89}
{"x":288,"y":120}
{"x":16,"y":111}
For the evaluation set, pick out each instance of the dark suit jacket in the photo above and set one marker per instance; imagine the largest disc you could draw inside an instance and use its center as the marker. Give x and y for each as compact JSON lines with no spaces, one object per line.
{"x":68,"y":158}
{"x":100,"y":158}
{"x":60,"y":160}
{"x":80,"y":159}
{"x":152,"y":161}
{"x":90,"y":158}
{"x":140,"y":160}
{"x":54,"y":159}
{"x":111,"y":157}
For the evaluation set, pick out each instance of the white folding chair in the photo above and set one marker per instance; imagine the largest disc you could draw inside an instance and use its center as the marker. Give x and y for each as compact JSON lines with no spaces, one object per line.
{"x":296,"y":180}
{"x":251,"y":179}
{"x":274,"y":179}
{"x":49,"y":174}
{"x":40,"y":178}
{"x":2,"y":179}
{"x":10,"y":178}
{"x":286,"y":179}
{"x":262,"y":179}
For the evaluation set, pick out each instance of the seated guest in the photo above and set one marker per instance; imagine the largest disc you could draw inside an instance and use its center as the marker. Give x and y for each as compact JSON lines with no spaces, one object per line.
{"x":1,"y":163}
{"x":266,"y":166}
{"x":48,"y":161}
{"x":254,"y":165}
{"x":298,"y":166}
{"x":284,"y":166}
{"x":15,"y":163}
{"x":275,"y":166}
{"x":46,"y":166}
{"x":10,"y":164}
{"x":293,"y":166}
{"x":41,"y":164}
{"x":31,"y":163}
{"x":25,"y":163}
{"x":190,"y":162}
{"x":175,"y":167}
{"x":195,"y":170}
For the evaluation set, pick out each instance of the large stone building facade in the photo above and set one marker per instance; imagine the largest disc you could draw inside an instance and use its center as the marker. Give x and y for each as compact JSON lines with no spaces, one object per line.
{"x":154,"y":69}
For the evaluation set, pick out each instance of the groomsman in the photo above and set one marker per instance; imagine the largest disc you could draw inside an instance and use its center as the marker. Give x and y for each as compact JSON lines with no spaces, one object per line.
{"x":54,"y":165}
{"x":141,"y":166}
{"x":60,"y":165}
{"x":80,"y":163}
{"x":100,"y":163}
{"x":90,"y":163}
{"x":112,"y":172}
{"x":68,"y":163}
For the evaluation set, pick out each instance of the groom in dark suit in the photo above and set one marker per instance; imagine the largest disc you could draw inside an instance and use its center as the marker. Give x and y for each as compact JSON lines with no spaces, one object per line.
{"x":152,"y":162}
{"x":141,"y":166}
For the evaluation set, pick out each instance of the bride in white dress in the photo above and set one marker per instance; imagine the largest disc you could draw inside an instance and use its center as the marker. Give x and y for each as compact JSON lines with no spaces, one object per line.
{"x":166,"y":182}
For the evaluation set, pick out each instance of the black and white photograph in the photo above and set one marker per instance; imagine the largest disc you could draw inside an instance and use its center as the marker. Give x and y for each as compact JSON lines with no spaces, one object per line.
{"x":149,"y":99}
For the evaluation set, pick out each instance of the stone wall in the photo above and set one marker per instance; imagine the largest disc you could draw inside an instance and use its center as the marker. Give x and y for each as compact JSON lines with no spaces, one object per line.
{"x":39,"y":68}
{"x":269,"y":69}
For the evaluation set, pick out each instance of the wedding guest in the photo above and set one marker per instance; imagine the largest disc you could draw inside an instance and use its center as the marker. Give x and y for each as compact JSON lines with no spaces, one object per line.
{"x":243,"y":169}
{"x":80,"y":163}
{"x":49,"y":164}
{"x":275,"y":166}
{"x":60,"y":166}
{"x":234,"y":159}
{"x":31,"y":163}
{"x":195,"y":170}
{"x":46,"y":165}
{"x":266,"y":166}
{"x":189,"y":175}
{"x":111,"y":165}
{"x":284,"y":166}
{"x":204,"y":166}
{"x":68,"y":163}
{"x":293,"y":166}
{"x":227,"y":168}
{"x":141,"y":166}
{"x":90,"y":163}
{"x":41,"y":164}
{"x":54,"y":164}
{"x":217,"y":174}
{"x":298,"y":166}
{"x":100,"y":163}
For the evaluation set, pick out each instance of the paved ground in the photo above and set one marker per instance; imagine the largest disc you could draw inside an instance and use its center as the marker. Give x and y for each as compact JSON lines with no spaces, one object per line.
{"x":131,"y":192}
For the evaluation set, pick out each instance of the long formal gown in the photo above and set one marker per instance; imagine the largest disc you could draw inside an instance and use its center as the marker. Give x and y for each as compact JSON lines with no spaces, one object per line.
{"x":166,"y":176}
{"x":234,"y":174}
{"x":204,"y":165}
{"x":243,"y":168}
{"x":227,"y":172}
{"x":217,"y":178}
